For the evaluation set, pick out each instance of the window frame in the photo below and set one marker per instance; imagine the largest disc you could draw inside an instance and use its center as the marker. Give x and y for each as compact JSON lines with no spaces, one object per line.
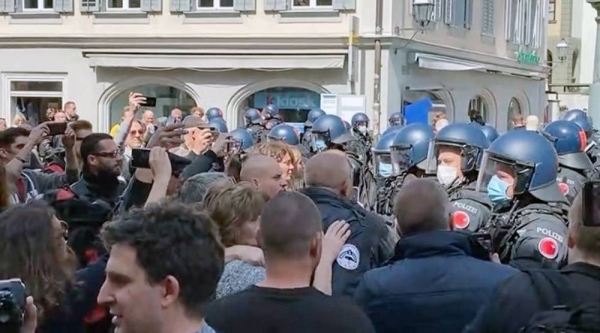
{"x":552,"y":11}
{"x":480,"y":101}
{"x":6,"y":93}
{"x":312,"y":6}
{"x":38,"y":9}
{"x":124,"y":8}
{"x":216,"y":6}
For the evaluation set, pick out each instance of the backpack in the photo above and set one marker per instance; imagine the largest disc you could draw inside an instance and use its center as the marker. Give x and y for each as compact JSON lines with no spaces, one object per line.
{"x":569,"y":317}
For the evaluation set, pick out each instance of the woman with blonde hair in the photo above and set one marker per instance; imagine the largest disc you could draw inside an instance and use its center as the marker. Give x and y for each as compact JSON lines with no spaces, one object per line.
{"x":281,"y":152}
{"x":19,"y":120}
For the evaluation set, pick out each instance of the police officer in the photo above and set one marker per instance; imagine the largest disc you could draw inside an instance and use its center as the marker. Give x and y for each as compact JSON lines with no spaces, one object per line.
{"x":360,"y":129}
{"x":289,"y":135}
{"x":242,"y":138}
{"x":396,"y":119}
{"x":270,"y":112}
{"x":490,"y":132}
{"x":529,"y":227}
{"x":219,"y":124}
{"x":312,"y":116}
{"x":213,"y":113}
{"x":569,"y":141}
{"x":254,"y":123}
{"x":409,"y":150}
{"x":379,"y":202}
{"x":580,"y":118}
{"x":455,"y":156}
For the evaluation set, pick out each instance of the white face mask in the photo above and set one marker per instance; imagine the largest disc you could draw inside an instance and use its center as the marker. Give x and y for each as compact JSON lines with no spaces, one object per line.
{"x":362,"y":129}
{"x":446,"y":174}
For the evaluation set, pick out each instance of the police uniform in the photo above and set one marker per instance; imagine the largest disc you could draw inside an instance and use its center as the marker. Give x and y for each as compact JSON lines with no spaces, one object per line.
{"x":307,"y":139}
{"x":532,"y":236}
{"x":256,"y":131}
{"x":472,"y":209}
{"x":570,"y":182}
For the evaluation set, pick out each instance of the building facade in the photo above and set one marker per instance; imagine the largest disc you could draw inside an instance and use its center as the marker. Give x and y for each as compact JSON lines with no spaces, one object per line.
{"x":574,"y":22}
{"x":234,"y":54}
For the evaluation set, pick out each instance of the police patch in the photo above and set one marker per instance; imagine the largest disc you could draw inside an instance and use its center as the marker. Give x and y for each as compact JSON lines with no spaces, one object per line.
{"x":460,"y":219}
{"x":349,"y":257}
{"x":548,"y":247}
{"x":564,"y":188}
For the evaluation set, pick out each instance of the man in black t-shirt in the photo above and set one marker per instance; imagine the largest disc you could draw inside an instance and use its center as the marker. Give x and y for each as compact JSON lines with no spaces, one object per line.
{"x":290,"y":235}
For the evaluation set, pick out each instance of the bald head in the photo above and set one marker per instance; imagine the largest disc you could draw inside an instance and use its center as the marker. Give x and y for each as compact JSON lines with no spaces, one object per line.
{"x":430,"y":212}
{"x":329,"y":169}
{"x":256,"y":165}
{"x":532,"y":123}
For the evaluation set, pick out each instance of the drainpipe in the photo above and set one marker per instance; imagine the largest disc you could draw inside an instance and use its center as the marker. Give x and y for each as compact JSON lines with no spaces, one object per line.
{"x":377,"y":72}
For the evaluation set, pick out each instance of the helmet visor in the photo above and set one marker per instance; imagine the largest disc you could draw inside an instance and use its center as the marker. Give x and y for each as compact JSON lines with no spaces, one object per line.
{"x":402,"y":158}
{"x":383,"y":165}
{"x":496,"y":168}
{"x":469,"y":155}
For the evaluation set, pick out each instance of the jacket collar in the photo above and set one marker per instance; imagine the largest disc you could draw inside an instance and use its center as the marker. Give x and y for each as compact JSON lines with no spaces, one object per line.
{"x":433,"y":243}
{"x":583,"y":268}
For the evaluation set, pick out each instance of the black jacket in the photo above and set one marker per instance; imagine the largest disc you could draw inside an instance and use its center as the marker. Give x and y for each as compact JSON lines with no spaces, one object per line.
{"x":365,"y":249}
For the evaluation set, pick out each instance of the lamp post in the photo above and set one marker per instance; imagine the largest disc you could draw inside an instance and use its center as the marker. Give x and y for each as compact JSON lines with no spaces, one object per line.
{"x":562,"y":50}
{"x":594,"y":92}
{"x":422,"y":11}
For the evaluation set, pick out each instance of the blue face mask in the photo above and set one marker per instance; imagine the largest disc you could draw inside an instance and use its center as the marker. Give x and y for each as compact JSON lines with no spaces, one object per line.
{"x":320,"y":145}
{"x":497,"y":191}
{"x":385,"y":170}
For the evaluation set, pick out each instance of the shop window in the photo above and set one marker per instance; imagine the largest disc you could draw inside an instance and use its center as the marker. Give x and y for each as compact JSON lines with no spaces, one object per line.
{"x":215,"y":4}
{"x":124,"y":4}
{"x":31,"y":95}
{"x":514,"y":108}
{"x":36,"y":5}
{"x":479,"y":105}
{"x":293,"y":103}
{"x":303,"y":4}
{"x":167,"y":99}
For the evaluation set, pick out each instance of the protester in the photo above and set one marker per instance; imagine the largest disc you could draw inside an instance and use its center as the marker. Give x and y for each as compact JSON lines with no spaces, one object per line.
{"x":329,"y":184}
{"x":281,"y":152}
{"x":434,"y":282}
{"x":194,"y":189}
{"x":518,"y":299}
{"x":291,"y":235}
{"x":33,"y":248}
{"x":517,"y":121}
{"x":265,"y":173}
{"x":165,"y":262}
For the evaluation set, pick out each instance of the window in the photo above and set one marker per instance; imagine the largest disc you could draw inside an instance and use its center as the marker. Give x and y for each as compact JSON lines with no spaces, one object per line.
{"x":487,"y":25}
{"x":31,"y":95}
{"x":35,"y":5}
{"x":461,"y":13}
{"x":124,"y":4}
{"x":552,"y":11}
{"x":301,"y":4}
{"x":524,"y":22}
{"x":514,"y":108}
{"x":215,"y":4}
{"x":479,"y":104}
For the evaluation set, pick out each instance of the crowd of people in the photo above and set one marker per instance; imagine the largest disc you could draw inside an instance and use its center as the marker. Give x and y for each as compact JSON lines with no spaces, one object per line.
{"x":179,"y":225}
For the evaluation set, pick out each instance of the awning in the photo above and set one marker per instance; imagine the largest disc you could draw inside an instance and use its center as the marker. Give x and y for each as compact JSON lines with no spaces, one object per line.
{"x":216,"y":61}
{"x":441,"y":63}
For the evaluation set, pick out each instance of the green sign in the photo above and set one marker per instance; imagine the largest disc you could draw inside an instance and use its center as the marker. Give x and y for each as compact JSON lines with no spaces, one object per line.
{"x":528,"y":58}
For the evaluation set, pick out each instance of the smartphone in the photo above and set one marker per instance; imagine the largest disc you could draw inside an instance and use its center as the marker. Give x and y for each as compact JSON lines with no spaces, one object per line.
{"x":140,"y":158}
{"x":56,"y":128}
{"x":12,"y":299}
{"x":150,"y":102}
{"x":214,"y":132}
{"x":591,"y":203}
{"x":485,"y":240}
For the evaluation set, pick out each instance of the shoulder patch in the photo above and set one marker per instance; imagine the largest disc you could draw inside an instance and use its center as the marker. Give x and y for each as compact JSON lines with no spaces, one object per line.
{"x":564,"y":188}
{"x":548,"y":247}
{"x":349,"y":257}
{"x":460,"y":219}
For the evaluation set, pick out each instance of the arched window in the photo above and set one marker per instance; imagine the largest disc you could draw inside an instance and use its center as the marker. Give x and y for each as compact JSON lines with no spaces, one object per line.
{"x":574,"y":61}
{"x":514,"y":108}
{"x":480,"y":105}
{"x":550,"y":61}
{"x":293,"y":103}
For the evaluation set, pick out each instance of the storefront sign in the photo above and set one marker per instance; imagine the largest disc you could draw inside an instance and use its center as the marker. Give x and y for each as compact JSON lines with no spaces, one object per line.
{"x":288,"y":99}
{"x":528,"y":58}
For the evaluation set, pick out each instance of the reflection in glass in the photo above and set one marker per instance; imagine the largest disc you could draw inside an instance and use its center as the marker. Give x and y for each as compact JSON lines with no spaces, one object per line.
{"x":35,"y":86}
{"x":33,"y":108}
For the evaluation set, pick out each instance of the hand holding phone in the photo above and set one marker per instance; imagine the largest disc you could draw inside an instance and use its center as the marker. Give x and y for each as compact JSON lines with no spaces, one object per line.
{"x":149,"y":102}
{"x":56,"y":128}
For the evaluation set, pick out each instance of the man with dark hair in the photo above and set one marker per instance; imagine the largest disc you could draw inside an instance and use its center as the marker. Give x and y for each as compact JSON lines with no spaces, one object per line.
{"x":165,"y":263}
{"x":291,"y":235}
{"x":435,"y":282}
{"x":16,"y":145}
{"x":518,"y":299}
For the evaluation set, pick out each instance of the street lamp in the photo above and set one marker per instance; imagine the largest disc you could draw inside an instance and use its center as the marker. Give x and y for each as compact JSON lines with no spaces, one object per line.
{"x":423,"y":11}
{"x":562,"y":50}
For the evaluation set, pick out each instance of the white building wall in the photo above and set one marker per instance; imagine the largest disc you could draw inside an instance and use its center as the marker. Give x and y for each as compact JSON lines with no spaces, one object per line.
{"x":588,"y":43}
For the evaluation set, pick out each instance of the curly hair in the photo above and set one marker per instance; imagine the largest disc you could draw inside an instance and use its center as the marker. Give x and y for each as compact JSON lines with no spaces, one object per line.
{"x":275,"y":149}
{"x":28,"y":250}
{"x":232,"y":207}
{"x":173,"y":239}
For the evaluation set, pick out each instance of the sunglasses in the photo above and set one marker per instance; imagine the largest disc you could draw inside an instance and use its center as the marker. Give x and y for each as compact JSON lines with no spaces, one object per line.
{"x":139,"y":132}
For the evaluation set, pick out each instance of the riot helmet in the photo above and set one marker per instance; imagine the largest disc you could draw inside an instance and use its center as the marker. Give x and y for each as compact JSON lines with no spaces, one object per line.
{"x":347,"y":126}
{"x":360,"y":122}
{"x":285,"y":133}
{"x":271,"y":123}
{"x":580,"y":118}
{"x":570,"y":142}
{"x":252,"y":117}
{"x":391,"y":129}
{"x":517,"y":163}
{"x":313,"y":115}
{"x":327,"y":130}
{"x":455,"y":151}
{"x":382,"y":156}
{"x":410,"y":146}
{"x":213,"y":113}
{"x":219,"y":124}
{"x":270,"y":111}
{"x":490,"y":132}
{"x":396,"y":119}
{"x":242,"y":138}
